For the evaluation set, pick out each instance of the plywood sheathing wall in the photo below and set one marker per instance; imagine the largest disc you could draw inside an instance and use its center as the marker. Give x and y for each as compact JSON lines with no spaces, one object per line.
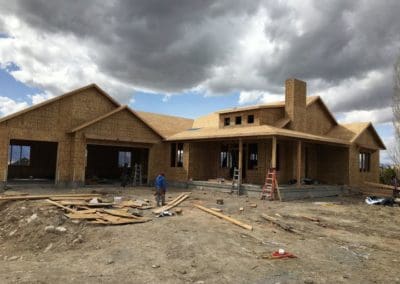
{"x":160,"y":162}
{"x":51,"y":122}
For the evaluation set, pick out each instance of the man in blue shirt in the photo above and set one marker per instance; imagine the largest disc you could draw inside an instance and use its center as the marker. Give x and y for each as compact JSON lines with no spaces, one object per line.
{"x":161,"y":188}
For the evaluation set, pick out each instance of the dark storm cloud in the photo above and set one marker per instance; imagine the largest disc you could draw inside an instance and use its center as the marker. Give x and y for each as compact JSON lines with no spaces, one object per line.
{"x":171,"y":46}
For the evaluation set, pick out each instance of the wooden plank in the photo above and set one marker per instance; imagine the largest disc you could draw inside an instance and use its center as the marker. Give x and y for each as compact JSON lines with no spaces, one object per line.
{"x":172,"y":204}
{"x":77,"y":198}
{"x":222,"y":216}
{"x":79,"y":215}
{"x":36,"y":197}
{"x":61,"y":206}
{"x":72,"y":202}
{"x":119,"y":213}
{"x":114,"y":220}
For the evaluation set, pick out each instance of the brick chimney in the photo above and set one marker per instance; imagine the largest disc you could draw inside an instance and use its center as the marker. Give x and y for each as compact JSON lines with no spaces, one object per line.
{"x":295,"y":103}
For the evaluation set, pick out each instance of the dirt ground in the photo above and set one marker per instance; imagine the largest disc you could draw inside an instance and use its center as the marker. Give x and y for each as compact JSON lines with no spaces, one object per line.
{"x":352,"y":243}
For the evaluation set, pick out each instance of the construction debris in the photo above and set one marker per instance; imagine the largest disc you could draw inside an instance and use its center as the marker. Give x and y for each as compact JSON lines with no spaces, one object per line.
{"x":279,"y":224}
{"x":280,"y":254}
{"x":182,"y":197}
{"x":227,"y":218}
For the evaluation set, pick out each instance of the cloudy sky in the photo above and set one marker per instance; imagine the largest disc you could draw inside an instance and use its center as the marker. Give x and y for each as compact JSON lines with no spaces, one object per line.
{"x":189,"y":58}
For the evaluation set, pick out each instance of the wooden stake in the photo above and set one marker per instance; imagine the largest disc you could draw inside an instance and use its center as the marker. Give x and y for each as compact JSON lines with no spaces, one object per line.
{"x":227,"y":218}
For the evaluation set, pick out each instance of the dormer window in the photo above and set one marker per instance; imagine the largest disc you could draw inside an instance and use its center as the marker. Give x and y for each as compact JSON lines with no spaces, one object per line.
{"x":250,"y":119}
{"x":238,"y":120}
{"x":227,"y":121}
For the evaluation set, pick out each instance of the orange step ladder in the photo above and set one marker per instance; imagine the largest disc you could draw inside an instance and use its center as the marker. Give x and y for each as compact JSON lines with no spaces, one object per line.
{"x":270,"y":189}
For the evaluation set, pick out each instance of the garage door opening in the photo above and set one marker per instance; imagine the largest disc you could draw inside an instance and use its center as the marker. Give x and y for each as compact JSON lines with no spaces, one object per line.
{"x":32,"y":161}
{"x":104,"y":164}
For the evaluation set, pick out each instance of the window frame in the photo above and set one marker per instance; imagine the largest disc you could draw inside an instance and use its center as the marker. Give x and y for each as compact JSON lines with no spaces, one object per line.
{"x":125,"y":155}
{"x":227,"y":121}
{"x":250,"y":119}
{"x":364,"y":161}
{"x":176,"y":155}
{"x":17,"y":162}
{"x":238,"y":120}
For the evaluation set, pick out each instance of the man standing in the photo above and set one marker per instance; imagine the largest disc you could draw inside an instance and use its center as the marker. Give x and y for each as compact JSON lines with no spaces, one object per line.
{"x":161,"y":188}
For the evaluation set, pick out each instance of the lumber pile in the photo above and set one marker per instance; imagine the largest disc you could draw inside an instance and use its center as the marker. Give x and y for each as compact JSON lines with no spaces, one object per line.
{"x":222,"y":216}
{"x":175,"y":202}
{"x":101,"y":216}
{"x":377,"y":189}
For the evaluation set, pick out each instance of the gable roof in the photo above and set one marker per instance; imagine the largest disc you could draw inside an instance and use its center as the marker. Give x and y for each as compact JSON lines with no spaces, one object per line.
{"x":55,"y":99}
{"x":210,"y":133}
{"x":315,"y":99}
{"x":166,"y":125}
{"x":352,"y":131}
{"x":119,"y":109}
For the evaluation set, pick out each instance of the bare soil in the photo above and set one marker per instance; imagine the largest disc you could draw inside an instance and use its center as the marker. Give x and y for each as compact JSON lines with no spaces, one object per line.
{"x":352,"y":243}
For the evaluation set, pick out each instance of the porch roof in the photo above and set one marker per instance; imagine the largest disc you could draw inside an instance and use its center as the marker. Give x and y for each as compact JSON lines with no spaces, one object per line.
{"x":213,"y":133}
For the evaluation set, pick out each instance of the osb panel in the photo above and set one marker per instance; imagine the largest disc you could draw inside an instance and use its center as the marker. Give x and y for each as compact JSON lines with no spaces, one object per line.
{"x":123,"y":126}
{"x":210,"y":120}
{"x":89,"y":105}
{"x":287,"y":154}
{"x":368,"y":139}
{"x":317,"y":120}
{"x":160,"y":162}
{"x":333,"y":164}
{"x":270,"y":116}
{"x":203,"y":160}
{"x":257,"y":175}
{"x":357,"y":178}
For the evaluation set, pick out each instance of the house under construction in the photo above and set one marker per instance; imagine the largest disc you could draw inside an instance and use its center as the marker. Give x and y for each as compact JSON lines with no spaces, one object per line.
{"x":85,"y":137}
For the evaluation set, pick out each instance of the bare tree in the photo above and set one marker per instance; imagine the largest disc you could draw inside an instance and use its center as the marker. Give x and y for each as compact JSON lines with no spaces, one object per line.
{"x":394,"y":150}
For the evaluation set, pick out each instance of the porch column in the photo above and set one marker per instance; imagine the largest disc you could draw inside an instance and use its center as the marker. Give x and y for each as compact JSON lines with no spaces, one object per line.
{"x":273,"y":155}
{"x":298,"y":167}
{"x":240,"y":161}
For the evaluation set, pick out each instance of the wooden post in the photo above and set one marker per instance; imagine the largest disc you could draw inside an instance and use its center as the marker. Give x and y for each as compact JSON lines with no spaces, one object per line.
{"x":240,"y":161}
{"x":298,"y":168}
{"x":273,"y":155}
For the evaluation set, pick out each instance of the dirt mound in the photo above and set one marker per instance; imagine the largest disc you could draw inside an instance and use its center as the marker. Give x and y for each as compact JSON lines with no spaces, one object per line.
{"x":35,"y":226}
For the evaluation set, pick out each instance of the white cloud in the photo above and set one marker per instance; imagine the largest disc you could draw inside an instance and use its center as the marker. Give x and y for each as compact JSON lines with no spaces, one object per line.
{"x":258,"y":97}
{"x":377,"y":116}
{"x":40,"y":97}
{"x":8,"y":106}
{"x":54,"y":62}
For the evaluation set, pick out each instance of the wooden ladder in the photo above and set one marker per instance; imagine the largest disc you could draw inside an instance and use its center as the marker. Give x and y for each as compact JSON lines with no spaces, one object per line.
{"x":137,"y":176}
{"x":235,"y":181}
{"x":270,"y":189}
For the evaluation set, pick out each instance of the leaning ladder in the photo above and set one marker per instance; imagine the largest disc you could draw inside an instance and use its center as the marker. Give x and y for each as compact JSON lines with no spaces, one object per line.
{"x":270,"y":189}
{"x":137,"y":176}
{"x":235,"y":181}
